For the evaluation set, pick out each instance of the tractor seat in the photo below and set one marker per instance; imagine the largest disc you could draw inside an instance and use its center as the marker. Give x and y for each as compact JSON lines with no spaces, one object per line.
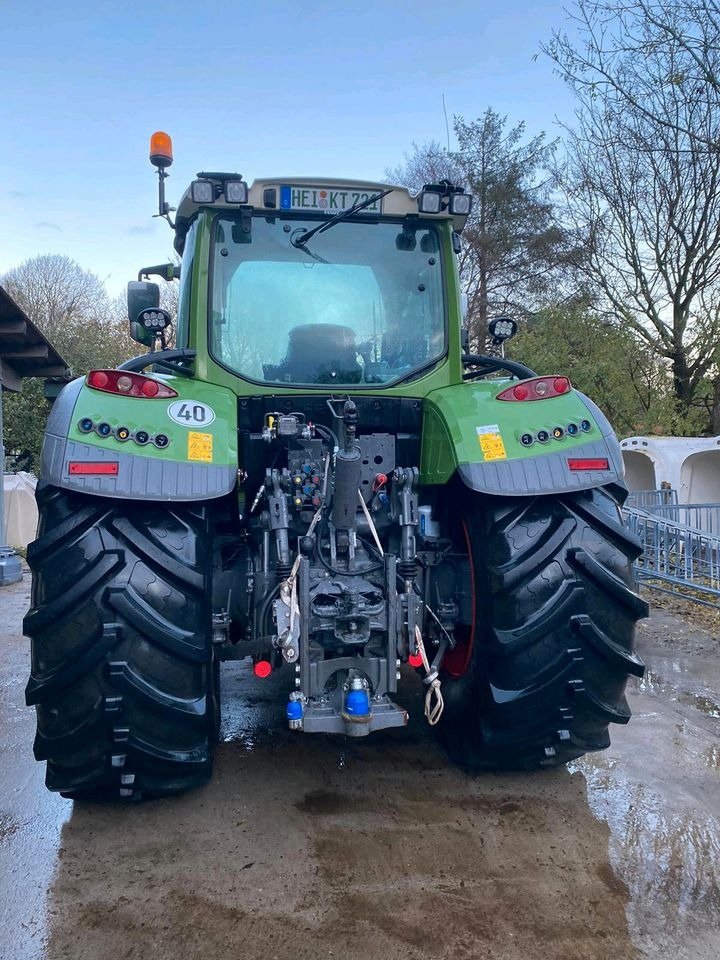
{"x":318,"y":353}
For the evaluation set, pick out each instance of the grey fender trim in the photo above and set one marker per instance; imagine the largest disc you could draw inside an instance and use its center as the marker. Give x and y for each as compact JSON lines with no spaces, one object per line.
{"x":138,"y":478}
{"x":58,"y":422}
{"x":548,"y":473}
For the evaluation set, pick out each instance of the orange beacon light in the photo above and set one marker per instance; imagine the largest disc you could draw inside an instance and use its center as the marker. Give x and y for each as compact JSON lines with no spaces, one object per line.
{"x":161,"y":154}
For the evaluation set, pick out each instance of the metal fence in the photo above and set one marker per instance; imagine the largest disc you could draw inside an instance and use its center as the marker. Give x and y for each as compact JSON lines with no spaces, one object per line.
{"x":679,"y":557}
{"x":651,"y":498}
{"x":704,"y":517}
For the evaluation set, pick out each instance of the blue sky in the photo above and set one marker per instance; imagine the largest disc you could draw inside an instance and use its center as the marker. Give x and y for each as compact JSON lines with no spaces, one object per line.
{"x":259,"y":88}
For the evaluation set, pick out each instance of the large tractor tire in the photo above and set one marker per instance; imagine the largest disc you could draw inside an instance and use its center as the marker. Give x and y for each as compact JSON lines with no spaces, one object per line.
{"x":123,"y":675}
{"x":540,"y":673}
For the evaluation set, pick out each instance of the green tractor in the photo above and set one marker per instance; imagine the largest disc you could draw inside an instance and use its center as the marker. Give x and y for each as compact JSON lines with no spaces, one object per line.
{"x":319,"y":477}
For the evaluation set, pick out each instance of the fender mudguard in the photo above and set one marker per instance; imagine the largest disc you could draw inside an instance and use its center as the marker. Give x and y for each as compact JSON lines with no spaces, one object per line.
{"x":178,"y":448}
{"x":468,"y":432}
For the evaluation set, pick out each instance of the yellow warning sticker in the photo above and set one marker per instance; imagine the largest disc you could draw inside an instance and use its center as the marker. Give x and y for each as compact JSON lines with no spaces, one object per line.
{"x":491,"y":443}
{"x":200,"y":447}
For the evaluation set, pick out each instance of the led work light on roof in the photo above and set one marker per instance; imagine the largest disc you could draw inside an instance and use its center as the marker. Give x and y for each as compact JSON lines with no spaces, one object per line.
{"x":236,"y":191}
{"x":430,"y":201}
{"x":202,"y":191}
{"x":436,"y":197}
{"x":460,"y":204}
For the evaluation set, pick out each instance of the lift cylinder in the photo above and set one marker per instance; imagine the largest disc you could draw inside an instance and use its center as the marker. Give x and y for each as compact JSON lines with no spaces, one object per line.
{"x":347,"y":484}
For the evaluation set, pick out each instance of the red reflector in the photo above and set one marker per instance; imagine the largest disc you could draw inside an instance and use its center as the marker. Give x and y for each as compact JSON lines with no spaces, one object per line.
{"x":90,"y":467}
{"x":590,"y":464}
{"x":262,"y":669}
{"x":561,"y":384}
{"x":520,"y":393}
{"x":415,"y":660}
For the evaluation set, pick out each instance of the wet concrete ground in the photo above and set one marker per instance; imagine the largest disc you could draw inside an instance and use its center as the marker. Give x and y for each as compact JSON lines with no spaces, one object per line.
{"x":315,"y":847}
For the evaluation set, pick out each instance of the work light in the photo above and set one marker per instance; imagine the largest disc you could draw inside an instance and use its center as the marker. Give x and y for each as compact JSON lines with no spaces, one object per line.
{"x":202,"y":191}
{"x":429,"y":201}
{"x":460,"y":204}
{"x":236,"y":191}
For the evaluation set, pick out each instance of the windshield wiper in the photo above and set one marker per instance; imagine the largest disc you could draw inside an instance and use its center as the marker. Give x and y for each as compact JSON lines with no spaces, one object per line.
{"x":343,"y":215}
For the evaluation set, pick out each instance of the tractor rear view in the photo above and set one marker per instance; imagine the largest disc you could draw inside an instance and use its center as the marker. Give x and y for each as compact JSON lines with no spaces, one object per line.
{"x":318,"y":477}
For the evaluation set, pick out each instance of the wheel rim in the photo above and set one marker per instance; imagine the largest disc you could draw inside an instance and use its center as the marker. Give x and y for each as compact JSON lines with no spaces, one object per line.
{"x":456,"y":661}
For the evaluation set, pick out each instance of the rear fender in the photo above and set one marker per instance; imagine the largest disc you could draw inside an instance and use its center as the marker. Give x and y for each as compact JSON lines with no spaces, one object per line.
{"x":467,"y":431}
{"x":198,"y":462}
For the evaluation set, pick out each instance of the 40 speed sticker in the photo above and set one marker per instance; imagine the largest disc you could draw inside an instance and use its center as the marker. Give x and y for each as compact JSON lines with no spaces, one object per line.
{"x":191,"y":413}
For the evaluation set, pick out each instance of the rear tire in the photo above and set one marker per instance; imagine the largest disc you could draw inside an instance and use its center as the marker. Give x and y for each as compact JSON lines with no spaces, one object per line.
{"x":542,"y":670}
{"x":122,"y":662}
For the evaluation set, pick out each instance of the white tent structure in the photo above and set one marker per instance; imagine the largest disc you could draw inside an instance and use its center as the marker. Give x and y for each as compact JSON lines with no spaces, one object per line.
{"x":21,"y":513}
{"x":690,"y":465}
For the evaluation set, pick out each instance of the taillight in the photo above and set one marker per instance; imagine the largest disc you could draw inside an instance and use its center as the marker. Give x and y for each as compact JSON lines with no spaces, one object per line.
{"x":128,"y":384}
{"x":539,"y":388}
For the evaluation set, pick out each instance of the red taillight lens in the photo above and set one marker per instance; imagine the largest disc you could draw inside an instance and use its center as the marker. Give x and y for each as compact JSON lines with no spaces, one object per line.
{"x":150,"y":388}
{"x":128,"y":384}
{"x":592,"y":463}
{"x":98,"y":379}
{"x":539,"y":388}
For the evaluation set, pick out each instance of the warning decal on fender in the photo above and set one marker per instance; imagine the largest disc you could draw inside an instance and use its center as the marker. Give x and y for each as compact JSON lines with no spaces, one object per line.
{"x":491,"y":443}
{"x":200,"y":447}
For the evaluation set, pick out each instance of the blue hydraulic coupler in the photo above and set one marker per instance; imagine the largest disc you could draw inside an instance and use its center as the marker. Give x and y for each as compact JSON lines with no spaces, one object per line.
{"x":294,"y":712}
{"x":357,"y":703}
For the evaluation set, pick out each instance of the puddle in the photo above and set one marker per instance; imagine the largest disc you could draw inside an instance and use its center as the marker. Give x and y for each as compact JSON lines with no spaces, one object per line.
{"x":673,"y":688}
{"x":666,"y":851}
{"x":253,"y":710}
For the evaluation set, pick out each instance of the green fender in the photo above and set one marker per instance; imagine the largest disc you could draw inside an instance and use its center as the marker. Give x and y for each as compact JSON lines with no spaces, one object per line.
{"x":182,"y":447}
{"x":469,"y":432}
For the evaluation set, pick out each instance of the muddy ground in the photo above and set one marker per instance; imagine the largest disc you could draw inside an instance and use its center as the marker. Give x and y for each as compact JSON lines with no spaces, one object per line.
{"x":316,"y":847}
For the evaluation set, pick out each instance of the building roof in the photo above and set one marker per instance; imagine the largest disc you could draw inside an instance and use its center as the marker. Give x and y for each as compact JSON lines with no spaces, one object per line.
{"x":24,"y":350}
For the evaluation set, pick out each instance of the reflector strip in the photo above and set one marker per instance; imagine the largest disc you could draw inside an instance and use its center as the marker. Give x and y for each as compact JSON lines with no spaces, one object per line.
{"x":89,"y":467}
{"x":590,"y":464}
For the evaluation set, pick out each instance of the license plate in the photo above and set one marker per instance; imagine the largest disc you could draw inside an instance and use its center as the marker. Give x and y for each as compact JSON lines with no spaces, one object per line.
{"x":327,"y":199}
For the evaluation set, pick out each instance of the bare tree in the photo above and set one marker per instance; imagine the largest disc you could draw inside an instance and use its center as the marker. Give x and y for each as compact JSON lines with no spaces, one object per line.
{"x":72,"y":308}
{"x":642,"y":190}
{"x":628,"y":52}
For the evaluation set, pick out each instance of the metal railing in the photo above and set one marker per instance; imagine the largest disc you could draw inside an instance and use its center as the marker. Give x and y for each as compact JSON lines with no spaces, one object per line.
{"x":678,"y":557}
{"x":704,"y":517}
{"x":646,"y":499}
